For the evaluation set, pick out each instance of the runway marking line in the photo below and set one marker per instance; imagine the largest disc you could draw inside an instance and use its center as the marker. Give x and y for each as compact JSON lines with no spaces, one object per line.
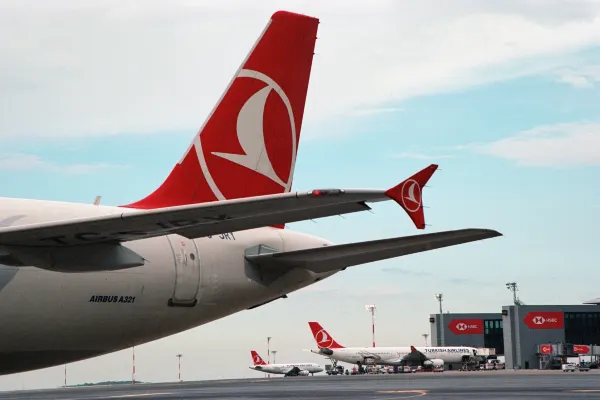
{"x":123,"y":396}
{"x":584,"y":390}
{"x":402,"y":391}
{"x":417,"y":393}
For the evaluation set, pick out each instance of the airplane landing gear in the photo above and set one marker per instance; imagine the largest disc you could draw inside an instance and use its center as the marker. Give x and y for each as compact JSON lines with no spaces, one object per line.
{"x":333,"y":363}
{"x":361,"y":369}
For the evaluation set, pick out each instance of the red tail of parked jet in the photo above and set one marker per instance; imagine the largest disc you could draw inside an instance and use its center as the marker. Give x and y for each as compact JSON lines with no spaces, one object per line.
{"x":256,"y":359}
{"x":323,"y":339}
{"x":248,"y":145}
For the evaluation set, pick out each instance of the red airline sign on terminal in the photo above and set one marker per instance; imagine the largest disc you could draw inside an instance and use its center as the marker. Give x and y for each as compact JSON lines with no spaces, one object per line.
{"x":544,"y":320}
{"x":581,"y":349}
{"x":466,"y":326}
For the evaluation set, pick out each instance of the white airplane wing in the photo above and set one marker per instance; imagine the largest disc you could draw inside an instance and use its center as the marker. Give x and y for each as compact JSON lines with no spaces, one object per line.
{"x":331,"y":258}
{"x":63,"y":244}
{"x":414,"y":357}
{"x":212,"y":218}
{"x":192,"y":221}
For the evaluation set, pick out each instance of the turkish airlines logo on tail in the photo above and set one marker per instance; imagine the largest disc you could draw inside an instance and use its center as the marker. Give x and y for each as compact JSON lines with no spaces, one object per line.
{"x":411,"y":195}
{"x":257,"y":358}
{"x":323,"y":339}
{"x":249,"y":136}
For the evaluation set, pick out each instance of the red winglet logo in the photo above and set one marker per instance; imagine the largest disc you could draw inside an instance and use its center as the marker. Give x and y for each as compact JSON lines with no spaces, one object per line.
{"x":247,"y":146}
{"x":256,"y":359}
{"x":323,"y":339}
{"x":408,"y":194}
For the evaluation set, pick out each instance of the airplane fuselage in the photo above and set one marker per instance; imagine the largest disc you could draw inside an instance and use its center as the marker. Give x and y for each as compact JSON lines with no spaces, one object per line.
{"x":284,"y":368}
{"x":50,"y":318}
{"x":392,"y":355}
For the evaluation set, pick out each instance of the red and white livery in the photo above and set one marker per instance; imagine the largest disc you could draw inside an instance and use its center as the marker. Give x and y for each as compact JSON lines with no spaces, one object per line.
{"x":81,"y":280}
{"x":432,"y":358}
{"x":288,"y":369}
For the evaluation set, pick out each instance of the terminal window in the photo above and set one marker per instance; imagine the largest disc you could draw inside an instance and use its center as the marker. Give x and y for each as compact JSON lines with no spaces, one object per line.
{"x":582,"y":327}
{"x":493,"y":336}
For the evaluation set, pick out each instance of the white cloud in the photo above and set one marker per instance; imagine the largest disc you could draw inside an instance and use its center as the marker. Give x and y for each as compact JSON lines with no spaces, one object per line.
{"x":582,"y":77}
{"x":381,"y":110}
{"x":105,"y":67}
{"x":20,"y":161}
{"x":559,"y":145}
{"x":420,"y":156}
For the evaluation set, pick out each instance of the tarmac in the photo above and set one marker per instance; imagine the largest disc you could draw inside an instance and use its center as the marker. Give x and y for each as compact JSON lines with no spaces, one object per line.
{"x":488,"y":385}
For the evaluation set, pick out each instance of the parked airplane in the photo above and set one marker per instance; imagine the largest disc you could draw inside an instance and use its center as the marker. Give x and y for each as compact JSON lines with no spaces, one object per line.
{"x":81,"y":280}
{"x":426,"y":357}
{"x":290,"y":369}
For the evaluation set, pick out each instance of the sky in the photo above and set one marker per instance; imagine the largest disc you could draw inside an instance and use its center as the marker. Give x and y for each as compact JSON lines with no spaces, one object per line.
{"x":103,"y":97}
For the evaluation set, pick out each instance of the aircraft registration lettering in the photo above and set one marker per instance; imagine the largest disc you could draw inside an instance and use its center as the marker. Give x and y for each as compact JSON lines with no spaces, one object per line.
{"x":98,"y":236}
{"x":223,"y":236}
{"x":91,"y":236}
{"x":112,"y":299}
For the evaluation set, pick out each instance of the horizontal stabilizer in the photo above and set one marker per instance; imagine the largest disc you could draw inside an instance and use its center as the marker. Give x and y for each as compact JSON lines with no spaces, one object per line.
{"x":331,"y":258}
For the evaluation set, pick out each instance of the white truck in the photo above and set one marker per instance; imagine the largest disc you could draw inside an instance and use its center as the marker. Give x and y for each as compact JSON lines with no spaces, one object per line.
{"x":569,"y":367}
{"x":492,"y":364}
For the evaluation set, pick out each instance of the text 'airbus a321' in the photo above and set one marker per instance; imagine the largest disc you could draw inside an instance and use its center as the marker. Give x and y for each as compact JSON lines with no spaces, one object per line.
{"x":81,"y":280}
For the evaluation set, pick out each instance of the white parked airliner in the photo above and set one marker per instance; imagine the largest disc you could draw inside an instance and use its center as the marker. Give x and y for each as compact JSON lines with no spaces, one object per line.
{"x":426,"y":357}
{"x":289,"y":369}
{"x":80,"y":280}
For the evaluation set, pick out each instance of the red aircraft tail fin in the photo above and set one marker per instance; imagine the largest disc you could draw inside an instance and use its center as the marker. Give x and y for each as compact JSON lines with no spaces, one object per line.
{"x":247,"y":147}
{"x":323,"y":339}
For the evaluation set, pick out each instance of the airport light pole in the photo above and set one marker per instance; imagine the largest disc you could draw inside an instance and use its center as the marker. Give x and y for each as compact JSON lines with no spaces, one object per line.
{"x":133,"y":365}
{"x":512,"y":286}
{"x":440,"y":297}
{"x":425,"y":336}
{"x":274,"y":352}
{"x":179,"y":368}
{"x":268,"y":353}
{"x":371,"y":308}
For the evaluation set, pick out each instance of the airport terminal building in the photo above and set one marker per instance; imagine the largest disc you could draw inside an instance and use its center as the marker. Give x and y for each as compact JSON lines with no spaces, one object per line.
{"x":528,"y":336}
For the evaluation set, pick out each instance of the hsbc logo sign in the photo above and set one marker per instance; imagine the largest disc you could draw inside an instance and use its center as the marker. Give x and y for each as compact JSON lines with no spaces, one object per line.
{"x":581,"y":349}
{"x":461,"y":326}
{"x":545,"y":349}
{"x":466,"y":326}
{"x":544,"y":320}
{"x":539,"y":320}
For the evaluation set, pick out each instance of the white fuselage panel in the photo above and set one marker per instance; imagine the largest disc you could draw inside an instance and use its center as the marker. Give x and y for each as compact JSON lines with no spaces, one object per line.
{"x":49,"y":318}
